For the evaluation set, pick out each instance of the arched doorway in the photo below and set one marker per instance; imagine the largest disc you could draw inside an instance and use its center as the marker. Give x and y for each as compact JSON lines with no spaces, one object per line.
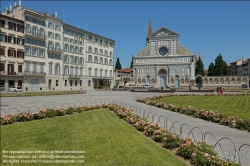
{"x":177,"y":81}
{"x":162,"y":74}
{"x":199,"y":80}
{"x":148,"y":79}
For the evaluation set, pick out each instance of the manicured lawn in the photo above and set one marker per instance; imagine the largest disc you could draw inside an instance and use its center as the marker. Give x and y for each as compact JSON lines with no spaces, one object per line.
{"x":231,"y":105}
{"x":106,"y":139}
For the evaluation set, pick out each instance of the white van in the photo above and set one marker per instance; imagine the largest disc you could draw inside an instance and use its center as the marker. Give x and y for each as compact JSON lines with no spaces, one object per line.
{"x":131,"y":85}
{"x":147,"y":86}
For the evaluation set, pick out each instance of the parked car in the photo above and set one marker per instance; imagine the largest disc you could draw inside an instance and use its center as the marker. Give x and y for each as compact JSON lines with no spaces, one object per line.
{"x":147,"y":86}
{"x":1,"y":87}
{"x":15,"y":89}
{"x":244,"y":86}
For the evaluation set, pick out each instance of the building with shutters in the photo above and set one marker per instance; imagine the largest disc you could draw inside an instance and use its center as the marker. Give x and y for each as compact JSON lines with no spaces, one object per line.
{"x":11,"y":52}
{"x":164,"y":61}
{"x":58,"y":56}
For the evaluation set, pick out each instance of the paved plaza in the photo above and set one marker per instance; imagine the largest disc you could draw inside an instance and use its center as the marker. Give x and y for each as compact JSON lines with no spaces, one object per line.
{"x":238,"y":137}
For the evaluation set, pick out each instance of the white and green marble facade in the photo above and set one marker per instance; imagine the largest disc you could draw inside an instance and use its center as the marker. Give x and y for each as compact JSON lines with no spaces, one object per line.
{"x":175,"y":66}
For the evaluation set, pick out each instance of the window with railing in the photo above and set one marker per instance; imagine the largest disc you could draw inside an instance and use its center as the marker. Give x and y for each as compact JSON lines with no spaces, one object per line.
{"x":90,"y":49}
{"x":34,"y":30}
{"x":71,"y":59}
{"x":110,"y":73}
{"x":41,"y":52}
{"x":57,"y":47}
{"x":20,"y":68}
{"x":90,"y":58}
{"x":2,"y":37}
{"x":2,"y":51}
{"x":51,"y":45}
{"x":58,"y":28}
{"x":106,"y":73}
{"x":66,"y":70}
{"x":76,"y":60}
{"x":20,"y":28}
{"x":27,"y":50}
{"x":2,"y":23}
{"x":57,"y":70}
{"x":11,"y":53}
{"x":96,"y":71}
{"x":57,"y":56}
{"x":66,"y":59}
{"x":27,"y":66}
{"x":96,"y":59}
{"x":81,"y":71}
{"x":20,"y":54}
{"x":110,"y":62}
{"x":50,"y":68}
{"x":90,"y":71}
{"x":101,"y":72}
{"x":81,"y":50}
{"x":12,"y":26}
{"x":72,"y":49}
{"x":57,"y":36}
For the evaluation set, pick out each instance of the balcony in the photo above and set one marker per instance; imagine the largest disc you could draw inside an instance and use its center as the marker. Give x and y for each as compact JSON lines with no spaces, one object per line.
{"x":34,"y":73}
{"x":54,"y":49}
{"x":74,"y":76}
{"x":39,"y":35}
{"x":5,"y":73}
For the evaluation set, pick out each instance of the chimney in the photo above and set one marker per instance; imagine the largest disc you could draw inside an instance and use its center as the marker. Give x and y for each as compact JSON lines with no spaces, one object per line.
{"x":10,"y":8}
{"x":15,"y":4}
{"x":20,"y":2}
{"x":55,"y":14}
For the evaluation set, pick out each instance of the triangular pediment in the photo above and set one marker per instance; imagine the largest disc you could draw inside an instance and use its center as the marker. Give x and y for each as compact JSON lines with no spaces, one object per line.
{"x":164,"y":32}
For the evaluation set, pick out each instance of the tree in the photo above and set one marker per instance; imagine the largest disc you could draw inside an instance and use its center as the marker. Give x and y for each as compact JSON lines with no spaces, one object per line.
{"x":220,"y":66}
{"x":131,"y":64}
{"x":211,"y":71}
{"x":224,"y":64}
{"x":199,"y":69}
{"x":118,"y":65}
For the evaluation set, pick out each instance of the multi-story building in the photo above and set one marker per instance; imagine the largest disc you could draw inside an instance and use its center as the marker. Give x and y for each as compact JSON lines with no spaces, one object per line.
{"x":73,"y":60}
{"x":124,"y":76}
{"x":99,"y":60}
{"x":54,"y":58}
{"x":59,"y":56}
{"x":11,"y":52}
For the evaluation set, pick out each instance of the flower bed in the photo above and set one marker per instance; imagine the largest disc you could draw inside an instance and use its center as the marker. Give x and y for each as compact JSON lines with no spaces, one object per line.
{"x":213,"y":116}
{"x":198,"y":153}
{"x":42,"y":93}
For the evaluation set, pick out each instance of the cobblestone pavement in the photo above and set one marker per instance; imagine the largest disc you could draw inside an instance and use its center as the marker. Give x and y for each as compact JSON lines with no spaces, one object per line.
{"x":218,"y":131}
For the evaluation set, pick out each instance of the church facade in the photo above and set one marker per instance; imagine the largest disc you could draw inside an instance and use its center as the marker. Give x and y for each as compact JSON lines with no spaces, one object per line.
{"x":164,"y":62}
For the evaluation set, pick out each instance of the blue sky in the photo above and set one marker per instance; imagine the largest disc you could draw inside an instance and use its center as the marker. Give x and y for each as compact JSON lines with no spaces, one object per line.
{"x":205,"y":27}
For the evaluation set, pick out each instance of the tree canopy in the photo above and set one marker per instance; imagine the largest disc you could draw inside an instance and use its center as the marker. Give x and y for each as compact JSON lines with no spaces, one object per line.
{"x":131,"y":64}
{"x":219,"y":68}
{"x":118,"y":65}
{"x":199,"y":69}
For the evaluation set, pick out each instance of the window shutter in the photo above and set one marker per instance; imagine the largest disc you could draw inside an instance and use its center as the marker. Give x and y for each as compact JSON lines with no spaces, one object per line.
{"x":8,"y":52}
{"x":23,"y":54}
{"x":14,"y":40}
{"x":23,"y":41}
{"x":6,"y":38}
{"x":14,"y":53}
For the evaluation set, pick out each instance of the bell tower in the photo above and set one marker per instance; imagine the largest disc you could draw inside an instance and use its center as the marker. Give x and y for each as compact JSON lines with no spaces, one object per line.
{"x":149,"y":31}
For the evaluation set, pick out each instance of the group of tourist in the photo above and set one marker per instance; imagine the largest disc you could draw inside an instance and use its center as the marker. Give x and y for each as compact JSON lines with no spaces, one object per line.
{"x":220,"y":89}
